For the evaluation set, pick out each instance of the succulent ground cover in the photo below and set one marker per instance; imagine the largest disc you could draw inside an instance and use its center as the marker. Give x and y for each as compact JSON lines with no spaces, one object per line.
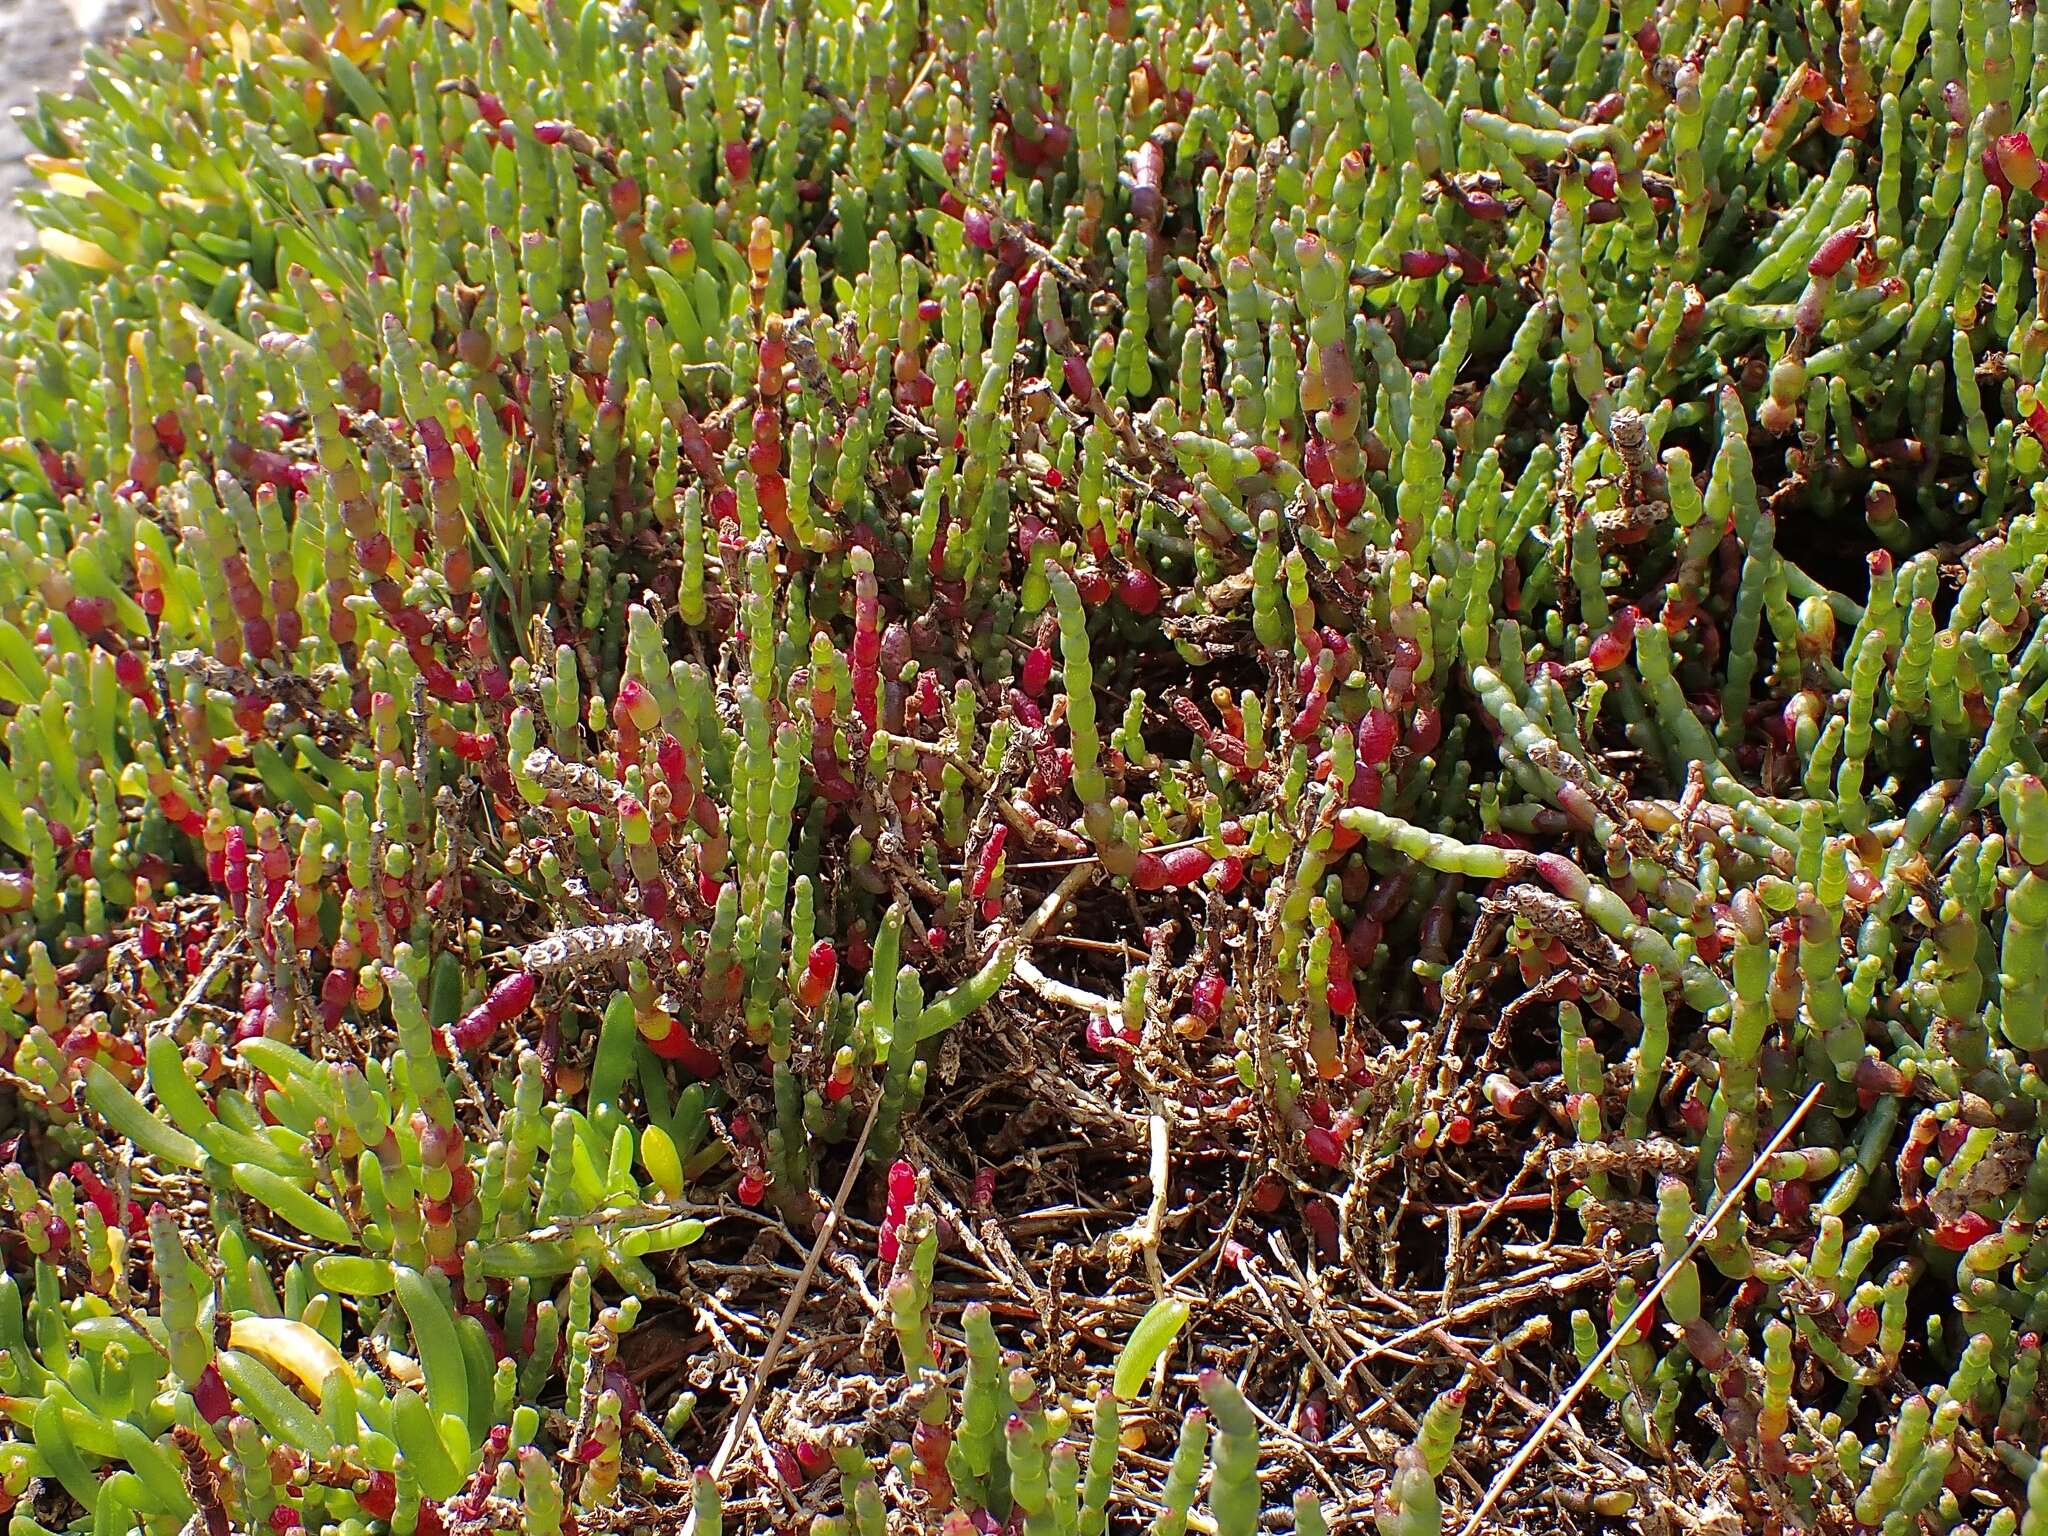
{"x":1053,"y":766}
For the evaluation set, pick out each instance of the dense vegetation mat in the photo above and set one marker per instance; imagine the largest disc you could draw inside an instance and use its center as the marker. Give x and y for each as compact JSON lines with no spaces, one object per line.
{"x":1069,"y":766}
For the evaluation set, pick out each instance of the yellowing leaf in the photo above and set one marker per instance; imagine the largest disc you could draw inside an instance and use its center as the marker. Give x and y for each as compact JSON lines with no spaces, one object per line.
{"x":51,"y":165}
{"x":291,"y":1346}
{"x":356,"y":46}
{"x":664,"y":1165}
{"x":73,"y":185}
{"x":81,"y":252}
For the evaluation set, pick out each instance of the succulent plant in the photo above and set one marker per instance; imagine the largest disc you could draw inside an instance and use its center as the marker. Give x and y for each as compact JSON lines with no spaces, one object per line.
{"x":619,"y":615}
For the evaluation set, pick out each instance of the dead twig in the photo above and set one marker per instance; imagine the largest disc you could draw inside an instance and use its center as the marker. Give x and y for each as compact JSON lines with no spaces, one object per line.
{"x":773,"y":1349}
{"x":1627,"y":1327}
